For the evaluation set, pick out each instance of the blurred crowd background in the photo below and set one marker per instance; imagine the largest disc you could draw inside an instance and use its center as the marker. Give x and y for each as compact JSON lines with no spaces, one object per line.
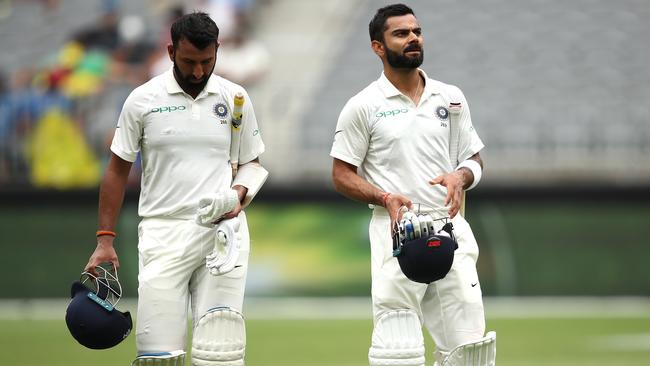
{"x":69,"y":65}
{"x":558,"y":92}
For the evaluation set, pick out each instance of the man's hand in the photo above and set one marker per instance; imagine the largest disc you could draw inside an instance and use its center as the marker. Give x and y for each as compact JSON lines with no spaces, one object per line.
{"x":454,"y":182}
{"x":213,"y":208}
{"x":104,"y":253}
{"x":230,"y":215}
{"x":395,"y":204}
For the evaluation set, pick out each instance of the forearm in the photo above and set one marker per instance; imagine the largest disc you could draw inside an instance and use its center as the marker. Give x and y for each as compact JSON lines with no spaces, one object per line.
{"x":350,"y":184}
{"x":466,"y":175}
{"x":111,"y":193}
{"x":249,"y":179}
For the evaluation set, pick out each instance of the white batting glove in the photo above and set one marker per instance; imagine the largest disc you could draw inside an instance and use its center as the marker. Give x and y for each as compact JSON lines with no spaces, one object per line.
{"x":226,"y":248}
{"x":212,"y":208}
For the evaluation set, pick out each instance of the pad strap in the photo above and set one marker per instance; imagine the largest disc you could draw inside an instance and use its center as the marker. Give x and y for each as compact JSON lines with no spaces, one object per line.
{"x":174,"y":358}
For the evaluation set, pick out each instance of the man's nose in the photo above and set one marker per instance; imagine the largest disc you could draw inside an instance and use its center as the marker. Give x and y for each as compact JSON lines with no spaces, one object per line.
{"x":413,"y":38}
{"x":197,"y":72}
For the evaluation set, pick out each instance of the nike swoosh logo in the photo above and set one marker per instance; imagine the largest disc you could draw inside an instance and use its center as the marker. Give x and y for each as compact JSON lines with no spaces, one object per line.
{"x":474,"y":284}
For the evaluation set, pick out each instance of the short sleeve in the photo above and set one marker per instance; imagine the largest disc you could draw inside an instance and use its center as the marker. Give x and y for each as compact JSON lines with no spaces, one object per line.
{"x":352,"y":134}
{"x":251,"y":144}
{"x":128,"y":132}
{"x":469,"y":141}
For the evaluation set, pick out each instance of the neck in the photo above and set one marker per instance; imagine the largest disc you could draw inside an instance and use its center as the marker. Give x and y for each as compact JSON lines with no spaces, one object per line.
{"x":408,"y":81}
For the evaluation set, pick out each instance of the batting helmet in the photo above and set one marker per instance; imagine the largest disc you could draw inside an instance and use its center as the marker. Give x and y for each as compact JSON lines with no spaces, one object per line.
{"x":424,"y":254}
{"x":91,"y":316}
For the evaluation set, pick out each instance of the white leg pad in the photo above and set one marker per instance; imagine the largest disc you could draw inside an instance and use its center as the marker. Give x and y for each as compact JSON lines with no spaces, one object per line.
{"x":480,"y":353}
{"x":175,"y":358}
{"x":219,"y":338}
{"x":397,"y":340}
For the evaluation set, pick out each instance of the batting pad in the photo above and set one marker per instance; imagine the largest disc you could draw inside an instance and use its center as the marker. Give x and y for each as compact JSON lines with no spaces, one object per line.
{"x":397,"y":340}
{"x":175,"y":358}
{"x":219,"y":338}
{"x":480,"y":353}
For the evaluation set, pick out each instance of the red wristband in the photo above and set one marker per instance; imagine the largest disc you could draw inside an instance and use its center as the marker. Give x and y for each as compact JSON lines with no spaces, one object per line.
{"x":384,"y":197}
{"x":106,"y":232}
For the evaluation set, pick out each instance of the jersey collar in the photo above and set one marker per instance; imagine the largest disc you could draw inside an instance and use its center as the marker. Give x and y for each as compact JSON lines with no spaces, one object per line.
{"x":172,"y":86}
{"x":389,"y":90}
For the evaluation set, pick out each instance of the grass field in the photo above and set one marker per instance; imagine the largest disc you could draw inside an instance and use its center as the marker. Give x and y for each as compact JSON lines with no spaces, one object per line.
{"x":322,"y":250}
{"x":556,"y":341}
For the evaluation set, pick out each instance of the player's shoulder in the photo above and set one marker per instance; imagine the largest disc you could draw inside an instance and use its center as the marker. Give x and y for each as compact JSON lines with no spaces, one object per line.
{"x":219,"y":84}
{"x":366,"y":98}
{"x":150,"y":89}
{"x":451,"y":90}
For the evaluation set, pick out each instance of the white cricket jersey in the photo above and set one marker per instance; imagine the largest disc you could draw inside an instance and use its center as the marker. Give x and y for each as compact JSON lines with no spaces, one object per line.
{"x":398,"y":146}
{"x":184,"y":142}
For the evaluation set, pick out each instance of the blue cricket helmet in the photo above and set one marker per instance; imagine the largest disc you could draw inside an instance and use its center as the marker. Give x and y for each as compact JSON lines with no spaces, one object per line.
{"x":91,"y":316}
{"x":424,"y":254}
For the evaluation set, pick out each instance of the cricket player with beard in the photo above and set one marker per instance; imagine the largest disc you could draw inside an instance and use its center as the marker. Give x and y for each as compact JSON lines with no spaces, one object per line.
{"x":392,"y":150}
{"x":199,"y":142}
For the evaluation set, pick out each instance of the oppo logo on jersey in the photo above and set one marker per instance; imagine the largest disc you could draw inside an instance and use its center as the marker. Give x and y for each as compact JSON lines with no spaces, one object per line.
{"x":172,"y":108}
{"x":394,"y":112}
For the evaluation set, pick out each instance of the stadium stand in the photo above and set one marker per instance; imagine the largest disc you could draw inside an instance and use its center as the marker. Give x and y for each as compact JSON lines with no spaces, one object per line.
{"x":558,"y":91}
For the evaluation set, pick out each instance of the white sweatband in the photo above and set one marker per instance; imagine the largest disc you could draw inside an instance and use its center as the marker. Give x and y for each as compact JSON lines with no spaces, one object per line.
{"x":475,"y":168}
{"x":252,"y":176}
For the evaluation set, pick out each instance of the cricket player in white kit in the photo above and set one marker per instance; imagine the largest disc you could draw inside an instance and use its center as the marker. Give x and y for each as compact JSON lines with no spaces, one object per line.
{"x":392,"y":149}
{"x":180,"y":123}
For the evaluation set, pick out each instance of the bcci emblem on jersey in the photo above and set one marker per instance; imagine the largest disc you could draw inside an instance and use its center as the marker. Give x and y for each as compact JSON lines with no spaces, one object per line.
{"x":442,"y":113}
{"x":220,"y":110}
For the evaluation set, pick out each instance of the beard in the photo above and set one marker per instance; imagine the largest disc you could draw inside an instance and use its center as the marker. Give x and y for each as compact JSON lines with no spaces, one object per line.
{"x":401,"y":61}
{"x":188,"y":83}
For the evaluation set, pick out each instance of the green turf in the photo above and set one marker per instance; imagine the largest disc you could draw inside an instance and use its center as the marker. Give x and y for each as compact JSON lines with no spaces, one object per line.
{"x":553,"y":248}
{"x":520,"y":342}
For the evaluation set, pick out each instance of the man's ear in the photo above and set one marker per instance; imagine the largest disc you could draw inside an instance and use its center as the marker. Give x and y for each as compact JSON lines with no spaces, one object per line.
{"x":170,"y":51}
{"x":378,"y":48}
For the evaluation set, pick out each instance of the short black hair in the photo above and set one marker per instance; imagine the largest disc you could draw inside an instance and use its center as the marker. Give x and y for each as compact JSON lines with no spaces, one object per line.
{"x":377,"y":25}
{"x":197,"y":27}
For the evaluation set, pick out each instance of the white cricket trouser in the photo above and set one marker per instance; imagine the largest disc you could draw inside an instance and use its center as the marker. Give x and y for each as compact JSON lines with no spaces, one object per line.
{"x":451,"y":308}
{"x":172,"y":275}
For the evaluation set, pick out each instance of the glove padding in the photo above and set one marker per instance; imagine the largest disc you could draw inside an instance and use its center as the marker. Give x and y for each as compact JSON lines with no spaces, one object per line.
{"x":227,"y":243}
{"x":212,"y":208}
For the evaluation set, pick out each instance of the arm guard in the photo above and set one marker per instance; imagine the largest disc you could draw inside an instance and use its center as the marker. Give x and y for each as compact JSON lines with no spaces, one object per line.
{"x":252,"y":176}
